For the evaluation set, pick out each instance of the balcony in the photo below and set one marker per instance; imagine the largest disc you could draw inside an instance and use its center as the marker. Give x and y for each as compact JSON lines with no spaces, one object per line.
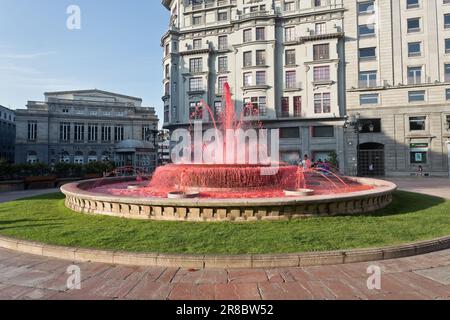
{"x":256,"y":14}
{"x":294,"y":86}
{"x":208,"y":4}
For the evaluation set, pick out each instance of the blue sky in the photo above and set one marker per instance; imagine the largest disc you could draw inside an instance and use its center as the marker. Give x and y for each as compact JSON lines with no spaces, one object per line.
{"x":117,"y":49}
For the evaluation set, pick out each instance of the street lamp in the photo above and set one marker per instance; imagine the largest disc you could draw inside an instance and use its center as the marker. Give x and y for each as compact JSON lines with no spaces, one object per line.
{"x":354,"y":122}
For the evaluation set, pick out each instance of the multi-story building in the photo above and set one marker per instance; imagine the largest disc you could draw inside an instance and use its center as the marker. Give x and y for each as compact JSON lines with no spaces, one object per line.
{"x":282,"y":59}
{"x":398,"y":81}
{"x":85,"y":126}
{"x":7,"y":134}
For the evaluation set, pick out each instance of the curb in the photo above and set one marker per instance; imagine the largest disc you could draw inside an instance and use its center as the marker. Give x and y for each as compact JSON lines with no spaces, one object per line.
{"x":225,"y":261}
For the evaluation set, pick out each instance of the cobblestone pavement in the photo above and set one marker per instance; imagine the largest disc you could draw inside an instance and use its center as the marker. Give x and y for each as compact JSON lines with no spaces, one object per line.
{"x":24,"y":276}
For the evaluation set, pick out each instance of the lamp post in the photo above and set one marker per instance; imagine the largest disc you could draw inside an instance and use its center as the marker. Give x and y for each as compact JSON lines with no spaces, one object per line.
{"x":354,"y":122}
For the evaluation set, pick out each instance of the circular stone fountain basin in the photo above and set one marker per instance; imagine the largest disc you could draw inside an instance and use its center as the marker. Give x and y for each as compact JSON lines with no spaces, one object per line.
{"x":80,"y":198}
{"x":299,"y":193}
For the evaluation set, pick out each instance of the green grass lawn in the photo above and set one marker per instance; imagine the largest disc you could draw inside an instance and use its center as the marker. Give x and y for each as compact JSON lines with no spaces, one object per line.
{"x":411,"y":217}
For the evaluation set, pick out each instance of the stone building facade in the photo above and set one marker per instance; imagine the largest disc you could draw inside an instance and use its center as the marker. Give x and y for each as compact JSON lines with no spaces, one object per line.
{"x":86,"y":126}
{"x":7,"y":134}
{"x":284,"y":59}
{"x":398,"y":79}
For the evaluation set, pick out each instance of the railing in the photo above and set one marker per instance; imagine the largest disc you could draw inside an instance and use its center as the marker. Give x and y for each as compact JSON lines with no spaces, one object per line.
{"x":293,"y":86}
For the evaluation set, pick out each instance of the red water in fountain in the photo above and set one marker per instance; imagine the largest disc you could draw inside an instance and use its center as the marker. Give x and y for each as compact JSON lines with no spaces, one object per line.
{"x":235,"y":180}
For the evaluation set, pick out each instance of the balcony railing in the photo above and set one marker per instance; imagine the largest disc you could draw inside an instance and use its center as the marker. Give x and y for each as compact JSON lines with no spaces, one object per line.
{"x":293,"y":86}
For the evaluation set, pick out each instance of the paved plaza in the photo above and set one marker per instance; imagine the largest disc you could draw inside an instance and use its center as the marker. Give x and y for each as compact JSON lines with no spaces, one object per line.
{"x":24,"y":276}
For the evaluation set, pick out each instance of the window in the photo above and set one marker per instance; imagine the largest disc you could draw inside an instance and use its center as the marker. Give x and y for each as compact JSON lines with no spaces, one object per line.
{"x":291,"y":80}
{"x":322,"y":73}
{"x":166,"y":114}
{"x":367,"y":53}
{"x":255,"y":106}
{"x":322,"y":103}
{"x":79,"y":132}
{"x":223,"y":64}
{"x":412,"y":4}
{"x":447,"y":72}
{"x":414,"y":75}
{"x":223,"y":42}
{"x":289,"y":133}
{"x":416,"y":96}
{"x":323,"y":132}
{"x":370,"y":125}
{"x":417,"y":123}
{"x":248,"y":59}
{"x":248,"y":79}
{"x":247,"y":35}
{"x":290,"y":57}
{"x":220,"y":83}
{"x":195,"y":65}
{"x":146,"y":133}
{"x":413,"y":25}
{"x":92,"y":132}
{"x":260,"y":78}
{"x":260,"y":57}
{"x":366,"y":7}
{"x":260,"y":33}
{"x":32,"y":130}
{"x":65,"y":110}
{"x":167,"y":49}
{"x":196,"y":20}
{"x":320,"y":28}
{"x":285,"y":107}
{"x":447,"y":45}
{"x":106,"y":132}
{"x":297,"y":106}
{"x":321,"y":51}
{"x":118,"y":132}
{"x":289,"y":34}
{"x":64,"y":131}
{"x":195,"y":84}
{"x":414,"y":49}
{"x":368,"y":79}
{"x":218,"y":109}
{"x":366,"y":30}
{"x":222,"y":16}
{"x":197,"y":44}
{"x":369,"y":98}
{"x":447,"y":94}
{"x":447,"y":21}
{"x":319,"y":3}
{"x":289,"y":6}
{"x":167,"y":71}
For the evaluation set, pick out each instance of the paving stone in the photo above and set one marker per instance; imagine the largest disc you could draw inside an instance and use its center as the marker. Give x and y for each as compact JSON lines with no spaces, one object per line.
{"x":284,"y":291}
{"x":247,"y":276}
{"x":38,"y":294}
{"x":215,"y":276}
{"x":150,"y":290}
{"x":439,"y":274}
{"x":318,"y":290}
{"x":237,"y":291}
{"x":167,"y":275}
{"x":184,"y":291}
{"x":343,"y":290}
{"x":13,"y":292}
{"x":274,"y":275}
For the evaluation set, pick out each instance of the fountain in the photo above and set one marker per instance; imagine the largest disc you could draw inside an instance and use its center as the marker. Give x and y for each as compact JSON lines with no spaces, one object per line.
{"x":231,"y":187}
